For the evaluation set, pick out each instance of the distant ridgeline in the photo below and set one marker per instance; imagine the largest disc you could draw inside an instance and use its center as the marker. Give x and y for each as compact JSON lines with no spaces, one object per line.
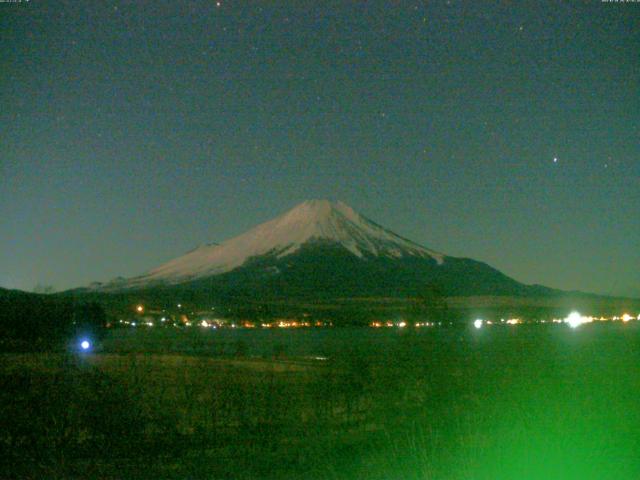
{"x":30,"y":321}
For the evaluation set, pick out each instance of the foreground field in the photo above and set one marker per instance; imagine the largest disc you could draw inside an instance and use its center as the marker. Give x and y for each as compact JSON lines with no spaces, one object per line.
{"x":504,"y":402}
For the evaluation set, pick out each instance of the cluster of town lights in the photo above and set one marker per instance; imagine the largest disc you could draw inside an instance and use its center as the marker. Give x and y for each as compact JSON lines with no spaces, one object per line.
{"x":573,"y":320}
{"x":222,"y":323}
{"x":402,"y":324}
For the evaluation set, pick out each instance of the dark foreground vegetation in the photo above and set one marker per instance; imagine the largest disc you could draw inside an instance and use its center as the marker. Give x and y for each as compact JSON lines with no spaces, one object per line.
{"x":34,"y":322}
{"x":504,"y":402}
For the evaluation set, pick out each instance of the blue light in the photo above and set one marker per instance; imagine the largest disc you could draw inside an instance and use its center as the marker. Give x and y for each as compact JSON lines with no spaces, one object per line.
{"x":85,"y":345}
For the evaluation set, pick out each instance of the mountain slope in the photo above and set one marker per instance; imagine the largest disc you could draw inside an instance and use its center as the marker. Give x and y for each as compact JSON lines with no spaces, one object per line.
{"x":321,"y":269}
{"x":314,"y":220}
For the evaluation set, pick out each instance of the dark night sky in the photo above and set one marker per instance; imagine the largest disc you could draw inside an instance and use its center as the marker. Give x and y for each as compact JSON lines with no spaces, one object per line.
{"x":132,"y":131}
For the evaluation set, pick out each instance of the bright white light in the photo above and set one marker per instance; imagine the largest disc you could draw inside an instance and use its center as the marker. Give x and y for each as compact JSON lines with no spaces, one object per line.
{"x":85,"y":345}
{"x":402,"y":324}
{"x":477,"y":323}
{"x":574,"y":320}
{"x":626,"y":317}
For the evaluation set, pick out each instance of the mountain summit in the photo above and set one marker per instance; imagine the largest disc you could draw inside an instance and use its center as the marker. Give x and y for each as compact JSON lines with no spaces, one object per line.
{"x":310,"y":221}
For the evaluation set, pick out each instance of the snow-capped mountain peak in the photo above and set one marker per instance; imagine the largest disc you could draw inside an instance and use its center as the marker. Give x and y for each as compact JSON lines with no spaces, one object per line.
{"x":312,"y":220}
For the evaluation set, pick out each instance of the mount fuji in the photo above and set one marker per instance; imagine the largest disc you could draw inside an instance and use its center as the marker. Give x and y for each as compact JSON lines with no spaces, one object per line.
{"x":322,"y":248}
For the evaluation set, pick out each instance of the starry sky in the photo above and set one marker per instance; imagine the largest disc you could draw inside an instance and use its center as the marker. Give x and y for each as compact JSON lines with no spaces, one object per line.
{"x":508,"y":132}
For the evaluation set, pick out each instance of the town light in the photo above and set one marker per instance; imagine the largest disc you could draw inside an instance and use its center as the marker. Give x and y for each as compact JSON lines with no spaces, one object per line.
{"x":574,"y":320}
{"x":477,"y":323}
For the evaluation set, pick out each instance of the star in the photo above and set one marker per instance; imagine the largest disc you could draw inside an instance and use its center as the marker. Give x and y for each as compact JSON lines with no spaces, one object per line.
{"x":555,"y":159}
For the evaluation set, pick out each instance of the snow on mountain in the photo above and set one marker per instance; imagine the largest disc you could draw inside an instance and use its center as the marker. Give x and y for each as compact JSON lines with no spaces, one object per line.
{"x":311,"y":220}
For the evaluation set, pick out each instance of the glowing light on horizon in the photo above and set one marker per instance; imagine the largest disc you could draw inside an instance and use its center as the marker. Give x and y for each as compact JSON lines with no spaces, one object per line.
{"x":575,"y":319}
{"x":626,"y":317}
{"x":477,"y":323}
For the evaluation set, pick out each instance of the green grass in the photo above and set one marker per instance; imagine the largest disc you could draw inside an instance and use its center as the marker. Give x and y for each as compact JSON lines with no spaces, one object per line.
{"x":521,"y":402}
